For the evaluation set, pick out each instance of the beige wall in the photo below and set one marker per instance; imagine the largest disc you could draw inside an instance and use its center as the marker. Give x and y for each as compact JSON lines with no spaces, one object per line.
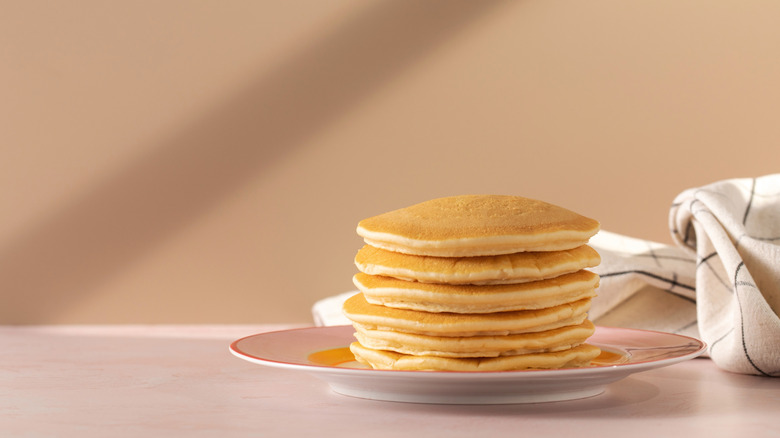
{"x":208,"y":161}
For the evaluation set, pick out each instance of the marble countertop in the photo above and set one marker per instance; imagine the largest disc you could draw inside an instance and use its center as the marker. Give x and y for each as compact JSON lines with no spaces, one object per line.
{"x":173,"y":380}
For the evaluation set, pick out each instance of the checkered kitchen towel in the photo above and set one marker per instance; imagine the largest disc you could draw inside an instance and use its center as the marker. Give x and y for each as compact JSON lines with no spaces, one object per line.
{"x":719,"y":283}
{"x":733,"y":227}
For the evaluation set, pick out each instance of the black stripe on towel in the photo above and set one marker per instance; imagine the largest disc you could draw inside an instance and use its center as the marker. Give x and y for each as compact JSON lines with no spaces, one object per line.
{"x":672,"y":281}
{"x":741,"y":317}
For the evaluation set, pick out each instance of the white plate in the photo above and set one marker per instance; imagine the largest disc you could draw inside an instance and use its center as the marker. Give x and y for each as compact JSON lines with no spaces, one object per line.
{"x":323,"y":352}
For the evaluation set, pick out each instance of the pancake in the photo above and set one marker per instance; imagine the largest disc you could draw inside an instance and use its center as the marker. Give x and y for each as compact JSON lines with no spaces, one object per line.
{"x":498,"y":269}
{"x":558,"y":339}
{"x":578,"y":356}
{"x":431,"y":297}
{"x":371,"y":316}
{"x":476,"y":225}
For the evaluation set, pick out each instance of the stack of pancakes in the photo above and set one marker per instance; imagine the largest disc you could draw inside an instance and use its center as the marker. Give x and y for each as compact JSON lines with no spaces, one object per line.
{"x":474,"y":283}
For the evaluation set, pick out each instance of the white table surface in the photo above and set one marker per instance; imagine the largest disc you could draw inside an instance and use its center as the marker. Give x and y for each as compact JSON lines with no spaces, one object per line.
{"x":145,"y":381}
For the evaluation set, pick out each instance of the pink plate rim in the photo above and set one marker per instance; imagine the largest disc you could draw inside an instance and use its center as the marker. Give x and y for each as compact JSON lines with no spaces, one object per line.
{"x":645,"y":349}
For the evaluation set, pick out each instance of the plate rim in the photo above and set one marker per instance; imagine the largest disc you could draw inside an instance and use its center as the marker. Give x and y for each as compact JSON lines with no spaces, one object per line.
{"x":627,"y":367}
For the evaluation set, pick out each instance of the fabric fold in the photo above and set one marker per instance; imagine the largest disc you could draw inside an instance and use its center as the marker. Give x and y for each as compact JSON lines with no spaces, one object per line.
{"x":733,"y":229}
{"x":645,"y":285}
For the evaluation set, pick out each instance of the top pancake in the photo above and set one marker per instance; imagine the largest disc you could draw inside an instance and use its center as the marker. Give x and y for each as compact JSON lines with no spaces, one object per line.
{"x":475,"y":225}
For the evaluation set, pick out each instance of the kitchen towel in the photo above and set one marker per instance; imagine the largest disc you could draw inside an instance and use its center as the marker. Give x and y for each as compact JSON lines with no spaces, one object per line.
{"x":733,"y":228}
{"x":719,"y":281}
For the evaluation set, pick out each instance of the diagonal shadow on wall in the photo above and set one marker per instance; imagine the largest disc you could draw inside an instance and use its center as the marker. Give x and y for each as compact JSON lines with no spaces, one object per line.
{"x":70,"y":254}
